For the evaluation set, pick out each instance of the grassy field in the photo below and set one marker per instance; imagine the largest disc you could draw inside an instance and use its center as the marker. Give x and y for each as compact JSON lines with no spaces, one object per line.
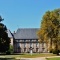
{"x":53,"y":58}
{"x":34,"y":55}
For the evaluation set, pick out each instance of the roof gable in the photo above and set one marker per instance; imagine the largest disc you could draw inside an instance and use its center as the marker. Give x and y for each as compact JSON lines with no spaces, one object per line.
{"x":9,"y":34}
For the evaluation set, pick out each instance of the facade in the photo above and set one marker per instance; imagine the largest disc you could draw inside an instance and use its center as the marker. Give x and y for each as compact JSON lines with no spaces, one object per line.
{"x":26,"y":40}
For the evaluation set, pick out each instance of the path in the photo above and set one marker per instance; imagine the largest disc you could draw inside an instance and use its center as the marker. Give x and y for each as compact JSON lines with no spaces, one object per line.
{"x":39,"y":58}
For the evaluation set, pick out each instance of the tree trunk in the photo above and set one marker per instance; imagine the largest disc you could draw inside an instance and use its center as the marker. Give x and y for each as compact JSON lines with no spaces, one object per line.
{"x":51,"y":45}
{"x":56,"y":46}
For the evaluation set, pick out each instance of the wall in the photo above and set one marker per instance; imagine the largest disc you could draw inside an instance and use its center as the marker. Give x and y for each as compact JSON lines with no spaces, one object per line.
{"x":36,"y":47}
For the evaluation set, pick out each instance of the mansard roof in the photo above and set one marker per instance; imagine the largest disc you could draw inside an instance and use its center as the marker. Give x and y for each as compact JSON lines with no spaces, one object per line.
{"x":26,"y":33}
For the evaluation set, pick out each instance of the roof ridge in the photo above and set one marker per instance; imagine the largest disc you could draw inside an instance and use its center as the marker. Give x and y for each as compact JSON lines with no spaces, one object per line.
{"x":27,"y":28}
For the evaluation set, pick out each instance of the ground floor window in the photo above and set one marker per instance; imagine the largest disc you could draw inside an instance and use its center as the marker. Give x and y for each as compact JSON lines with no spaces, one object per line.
{"x":19,"y":49}
{"x":25,"y":49}
{"x":37,"y":49}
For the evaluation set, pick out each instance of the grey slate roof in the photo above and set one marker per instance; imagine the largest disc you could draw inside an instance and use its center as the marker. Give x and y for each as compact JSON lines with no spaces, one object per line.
{"x":9,"y":34}
{"x":26,"y":33}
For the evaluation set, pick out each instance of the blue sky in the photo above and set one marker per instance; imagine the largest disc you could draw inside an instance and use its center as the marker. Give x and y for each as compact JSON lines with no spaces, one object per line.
{"x":25,"y":13}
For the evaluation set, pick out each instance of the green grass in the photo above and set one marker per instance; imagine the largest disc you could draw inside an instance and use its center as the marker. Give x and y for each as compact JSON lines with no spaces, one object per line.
{"x":34,"y":55}
{"x":57,"y":58}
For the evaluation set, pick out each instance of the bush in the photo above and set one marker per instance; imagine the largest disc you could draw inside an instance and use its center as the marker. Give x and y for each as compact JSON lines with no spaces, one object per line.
{"x":8,"y":52}
{"x":56,"y":52}
{"x":11,"y":49}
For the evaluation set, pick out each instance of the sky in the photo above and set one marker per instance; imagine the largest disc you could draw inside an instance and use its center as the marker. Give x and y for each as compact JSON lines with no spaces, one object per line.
{"x":25,"y":13}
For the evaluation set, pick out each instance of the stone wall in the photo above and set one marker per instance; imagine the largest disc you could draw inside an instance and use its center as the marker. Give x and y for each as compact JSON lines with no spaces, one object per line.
{"x":25,"y":47}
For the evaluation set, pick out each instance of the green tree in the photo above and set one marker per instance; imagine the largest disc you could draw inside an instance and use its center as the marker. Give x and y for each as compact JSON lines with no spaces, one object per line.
{"x":51,"y":27}
{"x":4,"y":39}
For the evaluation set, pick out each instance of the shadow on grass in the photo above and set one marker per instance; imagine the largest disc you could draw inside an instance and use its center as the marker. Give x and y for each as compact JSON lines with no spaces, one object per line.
{"x":14,"y":54}
{"x":8,"y":59}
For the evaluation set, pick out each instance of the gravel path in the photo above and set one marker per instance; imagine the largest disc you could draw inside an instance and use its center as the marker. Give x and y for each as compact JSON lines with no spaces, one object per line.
{"x":38,"y":58}
{"x":42,"y":58}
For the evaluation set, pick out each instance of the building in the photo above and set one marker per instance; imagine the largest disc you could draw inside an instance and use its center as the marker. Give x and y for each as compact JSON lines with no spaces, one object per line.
{"x":10,"y":35}
{"x":26,"y":39}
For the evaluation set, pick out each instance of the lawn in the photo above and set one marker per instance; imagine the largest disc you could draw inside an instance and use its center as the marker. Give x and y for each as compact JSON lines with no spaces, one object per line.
{"x":34,"y":55}
{"x":57,"y":58}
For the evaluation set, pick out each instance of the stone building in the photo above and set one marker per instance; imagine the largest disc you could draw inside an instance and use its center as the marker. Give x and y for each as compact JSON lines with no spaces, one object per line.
{"x":26,"y":39}
{"x":10,"y":35}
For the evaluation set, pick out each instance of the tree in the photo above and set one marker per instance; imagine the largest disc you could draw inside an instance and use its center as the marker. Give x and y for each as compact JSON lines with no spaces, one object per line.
{"x":51,"y":27}
{"x":1,"y":19}
{"x":4,"y":39}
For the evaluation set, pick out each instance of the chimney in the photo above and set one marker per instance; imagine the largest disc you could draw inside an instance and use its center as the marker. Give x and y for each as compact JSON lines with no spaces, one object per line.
{"x":14,"y":32}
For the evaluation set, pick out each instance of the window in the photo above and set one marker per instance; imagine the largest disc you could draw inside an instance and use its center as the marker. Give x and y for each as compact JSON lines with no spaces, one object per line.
{"x":36,"y":43}
{"x":24,"y":45}
{"x":36,"y":49}
{"x":25,"y":49}
{"x":30,"y":43}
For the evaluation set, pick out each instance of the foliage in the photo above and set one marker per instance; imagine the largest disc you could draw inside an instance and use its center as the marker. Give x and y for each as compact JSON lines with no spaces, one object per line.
{"x":1,"y":19}
{"x":11,"y":47}
{"x":55,"y":51}
{"x":4,"y":39}
{"x":10,"y":51}
{"x":50,"y":28}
